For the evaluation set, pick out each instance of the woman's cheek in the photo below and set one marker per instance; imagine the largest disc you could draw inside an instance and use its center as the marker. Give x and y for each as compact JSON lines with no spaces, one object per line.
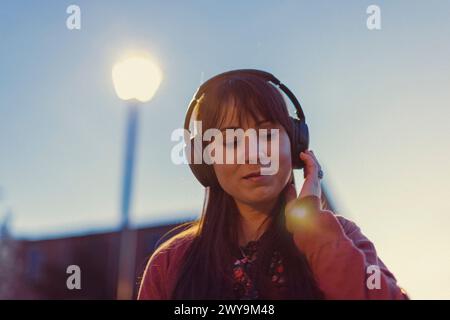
{"x":225,"y":174}
{"x":285,"y":158}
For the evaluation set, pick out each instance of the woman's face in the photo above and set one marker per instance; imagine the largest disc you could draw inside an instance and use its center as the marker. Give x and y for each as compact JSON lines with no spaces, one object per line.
{"x":234,"y":179}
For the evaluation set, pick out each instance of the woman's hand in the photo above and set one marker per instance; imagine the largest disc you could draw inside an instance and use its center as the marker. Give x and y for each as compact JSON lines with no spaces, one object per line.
{"x":304,"y":215}
{"x":295,"y":206}
{"x":311,"y":185}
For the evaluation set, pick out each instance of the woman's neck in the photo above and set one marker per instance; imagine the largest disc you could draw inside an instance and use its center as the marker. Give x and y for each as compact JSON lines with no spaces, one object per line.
{"x":254,"y":220}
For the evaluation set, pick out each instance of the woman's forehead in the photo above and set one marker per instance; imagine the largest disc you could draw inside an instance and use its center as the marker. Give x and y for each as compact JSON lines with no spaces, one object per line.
{"x":234,"y":115}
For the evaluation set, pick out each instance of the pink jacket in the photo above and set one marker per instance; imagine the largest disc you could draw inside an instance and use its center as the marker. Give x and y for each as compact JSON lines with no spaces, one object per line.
{"x":340,"y":267}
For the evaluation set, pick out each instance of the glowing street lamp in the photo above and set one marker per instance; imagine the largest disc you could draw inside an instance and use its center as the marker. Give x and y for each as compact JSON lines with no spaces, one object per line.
{"x":136,"y":80}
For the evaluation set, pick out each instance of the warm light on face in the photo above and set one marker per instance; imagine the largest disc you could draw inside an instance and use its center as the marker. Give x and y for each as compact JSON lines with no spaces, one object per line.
{"x":136,"y":78}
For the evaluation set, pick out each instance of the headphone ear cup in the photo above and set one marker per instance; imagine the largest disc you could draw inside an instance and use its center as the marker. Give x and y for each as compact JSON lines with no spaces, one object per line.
{"x":300,"y":142}
{"x":204,"y":174}
{"x":202,"y":171}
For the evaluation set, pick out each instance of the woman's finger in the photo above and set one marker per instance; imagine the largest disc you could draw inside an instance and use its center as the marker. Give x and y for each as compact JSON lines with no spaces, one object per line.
{"x":311,"y":153}
{"x":310,"y":159}
{"x":306,"y":157}
{"x":312,"y":166}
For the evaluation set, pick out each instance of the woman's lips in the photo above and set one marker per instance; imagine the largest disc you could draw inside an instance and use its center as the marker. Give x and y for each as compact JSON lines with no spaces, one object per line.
{"x":256,"y":177}
{"x":252,"y":174}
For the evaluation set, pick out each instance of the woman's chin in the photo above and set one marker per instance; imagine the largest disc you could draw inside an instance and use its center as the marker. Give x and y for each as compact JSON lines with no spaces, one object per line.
{"x":259,"y":195}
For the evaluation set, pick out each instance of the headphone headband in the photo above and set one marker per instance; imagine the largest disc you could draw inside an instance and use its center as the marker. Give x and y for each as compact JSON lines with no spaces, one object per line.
{"x":254,"y":72}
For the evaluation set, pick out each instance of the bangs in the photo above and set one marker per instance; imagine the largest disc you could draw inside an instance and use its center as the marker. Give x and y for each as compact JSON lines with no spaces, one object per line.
{"x":240,"y":98}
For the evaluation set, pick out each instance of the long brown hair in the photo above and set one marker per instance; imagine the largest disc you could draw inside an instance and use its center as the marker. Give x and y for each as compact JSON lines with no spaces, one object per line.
{"x":206,"y":272}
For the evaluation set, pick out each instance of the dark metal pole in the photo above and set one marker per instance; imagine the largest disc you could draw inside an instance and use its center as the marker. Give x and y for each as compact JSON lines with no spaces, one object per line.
{"x":127,"y":249}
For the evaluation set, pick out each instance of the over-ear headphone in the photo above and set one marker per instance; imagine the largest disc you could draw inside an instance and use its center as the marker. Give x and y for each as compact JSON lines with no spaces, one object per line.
{"x":300,"y":134}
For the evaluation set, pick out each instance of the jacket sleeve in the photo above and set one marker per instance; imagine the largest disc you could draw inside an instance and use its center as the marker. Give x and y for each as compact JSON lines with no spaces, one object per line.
{"x":345,"y":263}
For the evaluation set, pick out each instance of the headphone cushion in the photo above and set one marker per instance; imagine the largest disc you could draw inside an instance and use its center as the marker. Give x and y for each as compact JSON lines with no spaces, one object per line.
{"x":300,"y":142}
{"x":202,"y":171}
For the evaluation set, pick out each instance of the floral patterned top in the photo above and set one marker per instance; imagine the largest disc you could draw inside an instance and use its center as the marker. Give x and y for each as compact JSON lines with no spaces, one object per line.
{"x":243,"y":272}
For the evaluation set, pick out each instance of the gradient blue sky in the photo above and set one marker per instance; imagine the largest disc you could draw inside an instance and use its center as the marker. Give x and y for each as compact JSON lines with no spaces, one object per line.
{"x":377,"y":103}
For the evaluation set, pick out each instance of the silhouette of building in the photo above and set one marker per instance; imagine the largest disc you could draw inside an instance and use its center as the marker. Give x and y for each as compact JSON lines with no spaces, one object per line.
{"x":40,"y":266}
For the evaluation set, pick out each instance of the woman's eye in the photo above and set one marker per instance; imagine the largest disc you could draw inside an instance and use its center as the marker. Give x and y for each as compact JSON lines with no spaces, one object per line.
{"x":266,"y":137}
{"x":231,"y":144}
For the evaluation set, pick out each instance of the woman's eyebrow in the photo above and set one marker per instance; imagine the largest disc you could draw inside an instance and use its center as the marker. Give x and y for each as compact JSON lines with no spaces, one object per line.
{"x":258,"y":123}
{"x":263,"y":122}
{"x":232,"y":127}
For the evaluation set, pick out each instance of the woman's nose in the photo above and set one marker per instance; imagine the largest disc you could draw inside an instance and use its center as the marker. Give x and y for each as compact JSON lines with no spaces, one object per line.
{"x":256,"y":151}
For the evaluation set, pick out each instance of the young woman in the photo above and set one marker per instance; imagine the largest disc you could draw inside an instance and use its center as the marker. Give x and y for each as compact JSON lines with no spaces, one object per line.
{"x":248,"y":244}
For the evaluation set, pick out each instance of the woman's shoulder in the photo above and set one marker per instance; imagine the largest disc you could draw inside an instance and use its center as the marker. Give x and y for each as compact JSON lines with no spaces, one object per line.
{"x":176,"y":245}
{"x":162,"y":268}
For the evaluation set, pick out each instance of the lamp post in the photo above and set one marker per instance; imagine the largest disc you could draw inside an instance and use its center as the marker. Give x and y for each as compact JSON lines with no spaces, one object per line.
{"x":136,"y":80}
